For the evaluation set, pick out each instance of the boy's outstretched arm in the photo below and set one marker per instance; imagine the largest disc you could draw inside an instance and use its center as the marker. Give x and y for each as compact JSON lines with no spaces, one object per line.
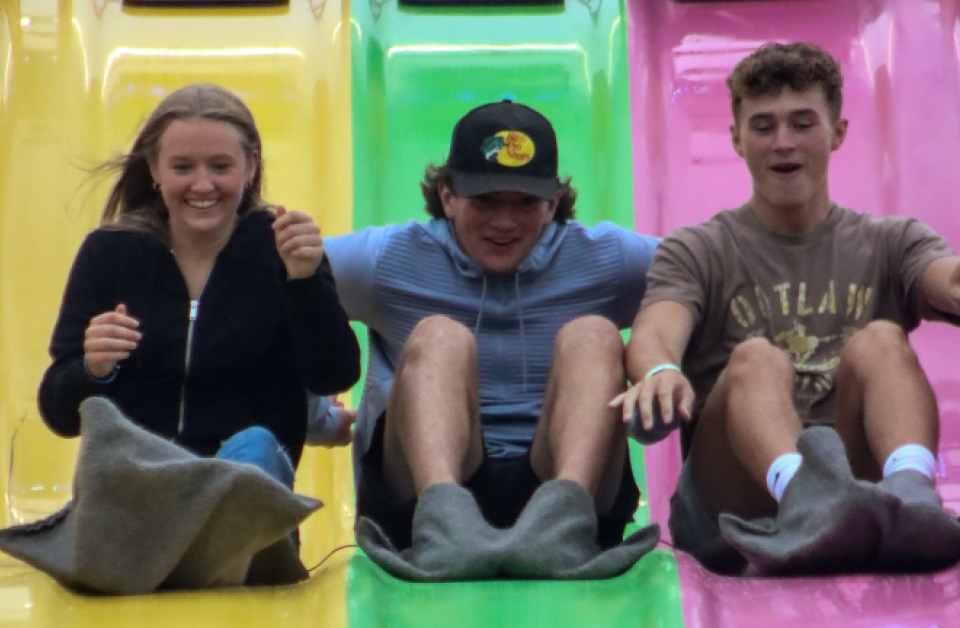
{"x":654,"y":354}
{"x":941,"y":284}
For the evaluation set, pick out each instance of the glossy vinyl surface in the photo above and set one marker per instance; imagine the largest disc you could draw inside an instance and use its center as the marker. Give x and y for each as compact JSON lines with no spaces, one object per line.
{"x":76,"y":81}
{"x":901,"y":66}
{"x":646,"y":596}
{"x":642,"y":117}
{"x":415,"y":73}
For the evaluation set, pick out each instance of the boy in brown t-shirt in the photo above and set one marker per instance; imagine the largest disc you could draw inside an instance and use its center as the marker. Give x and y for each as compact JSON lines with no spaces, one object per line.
{"x":787,"y":315}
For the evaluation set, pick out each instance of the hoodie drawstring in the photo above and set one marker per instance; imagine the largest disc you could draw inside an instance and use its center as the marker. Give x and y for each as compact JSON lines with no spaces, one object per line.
{"x":523,"y":347}
{"x":483,"y":300}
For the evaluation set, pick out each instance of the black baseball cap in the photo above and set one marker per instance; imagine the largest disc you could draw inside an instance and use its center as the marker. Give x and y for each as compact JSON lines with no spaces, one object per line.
{"x":504,"y":147}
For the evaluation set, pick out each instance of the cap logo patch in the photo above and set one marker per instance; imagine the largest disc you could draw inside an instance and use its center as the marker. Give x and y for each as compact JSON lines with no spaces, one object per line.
{"x":509,"y":148}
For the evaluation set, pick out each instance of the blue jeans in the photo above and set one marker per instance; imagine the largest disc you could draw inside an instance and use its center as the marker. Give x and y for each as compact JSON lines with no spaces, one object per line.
{"x":259,"y":447}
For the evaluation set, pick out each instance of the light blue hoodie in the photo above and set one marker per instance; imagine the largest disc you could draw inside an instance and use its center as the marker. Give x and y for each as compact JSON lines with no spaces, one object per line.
{"x":390,"y":278}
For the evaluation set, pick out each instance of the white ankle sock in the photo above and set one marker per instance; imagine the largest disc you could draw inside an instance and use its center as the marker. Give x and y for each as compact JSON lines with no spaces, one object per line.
{"x":912,"y":456}
{"x":781,"y":472}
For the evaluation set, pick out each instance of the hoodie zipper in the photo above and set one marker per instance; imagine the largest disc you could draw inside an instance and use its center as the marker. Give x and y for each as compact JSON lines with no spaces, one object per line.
{"x":192,"y":319}
{"x":194,"y":308}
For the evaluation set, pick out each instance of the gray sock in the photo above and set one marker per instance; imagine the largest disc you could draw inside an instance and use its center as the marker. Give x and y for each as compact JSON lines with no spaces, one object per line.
{"x":556,"y":538}
{"x":827,"y":521}
{"x":451,"y":540}
{"x":918,"y":534}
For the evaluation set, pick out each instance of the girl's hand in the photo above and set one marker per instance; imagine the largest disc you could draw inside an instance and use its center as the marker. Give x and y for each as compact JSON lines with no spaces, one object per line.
{"x":298,"y":242}
{"x":109,"y":338}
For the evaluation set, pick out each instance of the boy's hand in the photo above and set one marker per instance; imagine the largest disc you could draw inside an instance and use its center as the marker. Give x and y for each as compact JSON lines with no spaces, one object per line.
{"x":668,"y":388}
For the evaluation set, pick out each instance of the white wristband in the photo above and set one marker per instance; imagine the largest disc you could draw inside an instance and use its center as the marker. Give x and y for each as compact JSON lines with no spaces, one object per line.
{"x":662,"y":367}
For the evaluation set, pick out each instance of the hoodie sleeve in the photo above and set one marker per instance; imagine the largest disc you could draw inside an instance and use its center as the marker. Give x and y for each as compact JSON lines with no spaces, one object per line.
{"x":326,"y":345}
{"x":323,"y":419}
{"x":88,"y":293}
{"x":354,"y":258}
{"x":637,"y":253}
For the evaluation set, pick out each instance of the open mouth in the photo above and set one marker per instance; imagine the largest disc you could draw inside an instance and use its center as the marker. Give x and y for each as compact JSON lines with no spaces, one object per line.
{"x":785,"y":168}
{"x":202,"y":204}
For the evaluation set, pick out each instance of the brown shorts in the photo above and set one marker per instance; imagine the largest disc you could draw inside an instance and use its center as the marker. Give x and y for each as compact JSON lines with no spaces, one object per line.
{"x":695,"y":532}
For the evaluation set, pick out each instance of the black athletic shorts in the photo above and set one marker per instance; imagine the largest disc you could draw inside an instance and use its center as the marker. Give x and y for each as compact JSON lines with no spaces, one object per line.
{"x":501,"y":486}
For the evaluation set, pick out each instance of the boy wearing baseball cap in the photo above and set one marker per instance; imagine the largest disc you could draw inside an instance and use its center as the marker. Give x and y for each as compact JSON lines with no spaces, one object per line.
{"x":484,"y":441}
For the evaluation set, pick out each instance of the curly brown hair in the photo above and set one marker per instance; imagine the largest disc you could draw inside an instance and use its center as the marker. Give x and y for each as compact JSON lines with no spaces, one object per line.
{"x":133,"y":202}
{"x":434,"y":176}
{"x":799,"y":66}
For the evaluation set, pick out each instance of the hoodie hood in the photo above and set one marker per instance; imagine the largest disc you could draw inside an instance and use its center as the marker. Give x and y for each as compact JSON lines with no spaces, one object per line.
{"x":441,"y":230}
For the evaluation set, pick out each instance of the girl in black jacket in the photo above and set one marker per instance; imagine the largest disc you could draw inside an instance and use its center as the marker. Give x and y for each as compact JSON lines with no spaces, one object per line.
{"x":193,"y":307}
{"x":205,"y":318}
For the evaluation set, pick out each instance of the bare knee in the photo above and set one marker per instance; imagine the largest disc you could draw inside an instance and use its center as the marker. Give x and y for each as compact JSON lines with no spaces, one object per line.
{"x":589,"y":336}
{"x":439,"y":335}
{"x":879,"y":344}
{"x":756,"y":359}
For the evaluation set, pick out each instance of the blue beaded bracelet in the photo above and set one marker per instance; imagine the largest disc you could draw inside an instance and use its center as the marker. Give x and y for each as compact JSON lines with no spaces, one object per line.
{"x":100,"y":380}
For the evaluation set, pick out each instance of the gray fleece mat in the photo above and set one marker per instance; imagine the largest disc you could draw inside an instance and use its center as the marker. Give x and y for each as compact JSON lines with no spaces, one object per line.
{"x":918,"y":534}
{"x":451,"y":540}
{"x":147,"y":514}
{"x":827,"y":522}
{"x":554,"y":539}
{"x":830,"y":522}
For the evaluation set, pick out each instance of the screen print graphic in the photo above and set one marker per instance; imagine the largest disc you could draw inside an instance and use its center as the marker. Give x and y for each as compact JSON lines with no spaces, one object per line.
{"x":810,"y":324}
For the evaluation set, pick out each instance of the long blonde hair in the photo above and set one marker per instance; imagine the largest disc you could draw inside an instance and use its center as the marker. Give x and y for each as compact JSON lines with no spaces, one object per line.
{"x":134,"y":203}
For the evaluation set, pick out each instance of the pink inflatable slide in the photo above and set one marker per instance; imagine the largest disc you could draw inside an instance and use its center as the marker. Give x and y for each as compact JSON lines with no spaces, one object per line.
{"x":901,"y":62}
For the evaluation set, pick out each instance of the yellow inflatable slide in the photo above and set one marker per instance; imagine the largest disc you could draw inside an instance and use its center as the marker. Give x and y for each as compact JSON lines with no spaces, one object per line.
{"x":76,"y":81}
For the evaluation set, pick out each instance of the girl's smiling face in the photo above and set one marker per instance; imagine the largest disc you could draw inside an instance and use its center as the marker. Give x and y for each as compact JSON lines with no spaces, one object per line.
{"x":202,"y":169}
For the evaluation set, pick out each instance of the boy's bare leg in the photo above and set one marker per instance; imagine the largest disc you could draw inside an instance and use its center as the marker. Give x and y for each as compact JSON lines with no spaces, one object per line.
{"x":884,"y":400}
{"x":579,"y":438}
{"x":747,"y":422}
{"x":433,"y":433}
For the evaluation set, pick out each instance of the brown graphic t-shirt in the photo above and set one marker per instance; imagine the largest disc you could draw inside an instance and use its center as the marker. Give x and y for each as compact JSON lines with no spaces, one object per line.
{"x":804,"y":293}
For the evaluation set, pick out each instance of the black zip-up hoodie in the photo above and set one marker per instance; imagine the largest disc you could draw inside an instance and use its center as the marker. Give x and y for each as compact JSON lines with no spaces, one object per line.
{"x":259,"y":341}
